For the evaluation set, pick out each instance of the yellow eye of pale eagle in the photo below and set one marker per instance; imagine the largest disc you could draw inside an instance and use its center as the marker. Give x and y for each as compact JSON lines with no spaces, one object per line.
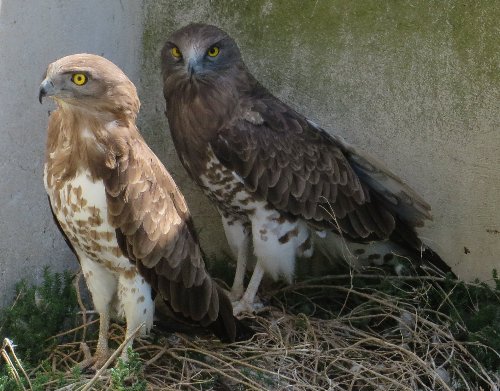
{"x":213,"y":51}
{"x":176,"y":52}
{"x":79,"y":79}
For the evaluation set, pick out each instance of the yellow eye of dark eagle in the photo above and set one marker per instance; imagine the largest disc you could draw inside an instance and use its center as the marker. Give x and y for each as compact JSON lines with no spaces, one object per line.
{"x":79,"y":79}
{"x":213,"y":51}
{"x":176,"y":52}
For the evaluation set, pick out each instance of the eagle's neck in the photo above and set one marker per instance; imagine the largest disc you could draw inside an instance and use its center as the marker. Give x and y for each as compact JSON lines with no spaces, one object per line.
{"x":78,"y":141}
{"x":197,"y":111}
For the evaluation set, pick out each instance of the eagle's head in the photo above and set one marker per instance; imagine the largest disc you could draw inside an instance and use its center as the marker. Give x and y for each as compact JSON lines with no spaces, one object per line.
{"x":90,"y":82}
{"x":198,"y":55}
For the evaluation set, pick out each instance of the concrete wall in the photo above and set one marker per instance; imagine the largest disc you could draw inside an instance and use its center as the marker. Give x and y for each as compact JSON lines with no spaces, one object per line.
{"x":33,"y":34}
{"x":415,"y":83}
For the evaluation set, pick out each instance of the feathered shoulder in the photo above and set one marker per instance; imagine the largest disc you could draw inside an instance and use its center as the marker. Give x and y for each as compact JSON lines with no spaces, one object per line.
{"x":301,"y":170}
{"x":155,"y":229}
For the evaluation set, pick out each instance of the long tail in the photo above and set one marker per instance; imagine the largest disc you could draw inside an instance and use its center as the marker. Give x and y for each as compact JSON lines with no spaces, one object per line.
{"x":226,"y":327}
{"x":427,"y":261}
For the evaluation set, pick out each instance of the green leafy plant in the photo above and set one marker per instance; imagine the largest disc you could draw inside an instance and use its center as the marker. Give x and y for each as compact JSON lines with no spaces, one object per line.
{"x":7,"y":383}
{"x":477,"y":307}
{"x":128,"y":375}
{"x":39,"y":313}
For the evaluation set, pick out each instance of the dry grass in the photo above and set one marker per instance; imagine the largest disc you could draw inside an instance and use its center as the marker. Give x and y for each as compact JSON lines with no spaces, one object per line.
{"x":382,"y":343}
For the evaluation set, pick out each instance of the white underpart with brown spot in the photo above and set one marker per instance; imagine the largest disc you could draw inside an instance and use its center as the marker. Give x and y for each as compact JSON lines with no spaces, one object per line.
{"x":277,"y":240}
{"x":117,"y":288}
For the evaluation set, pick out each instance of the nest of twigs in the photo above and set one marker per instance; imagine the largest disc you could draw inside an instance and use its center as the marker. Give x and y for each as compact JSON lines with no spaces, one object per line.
{"x":371,"y":341}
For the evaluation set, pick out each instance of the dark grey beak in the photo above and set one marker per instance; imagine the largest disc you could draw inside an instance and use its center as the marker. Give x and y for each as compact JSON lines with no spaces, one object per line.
{"x":192,"y":67}
{"x":46,"y":89}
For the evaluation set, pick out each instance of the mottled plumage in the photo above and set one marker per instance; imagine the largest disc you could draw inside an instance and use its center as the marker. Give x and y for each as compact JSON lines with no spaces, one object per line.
{"x":118,"y":207}
{"x":274,"y":175}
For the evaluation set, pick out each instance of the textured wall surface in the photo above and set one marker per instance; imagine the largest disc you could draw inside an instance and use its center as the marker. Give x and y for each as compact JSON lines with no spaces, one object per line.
{"x":33,"y":34}
{"x":415,"y":83}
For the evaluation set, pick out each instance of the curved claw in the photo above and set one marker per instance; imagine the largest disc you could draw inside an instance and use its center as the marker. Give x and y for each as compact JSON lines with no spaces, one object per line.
{"x":94,"y":362}
{"x":243,"y":306}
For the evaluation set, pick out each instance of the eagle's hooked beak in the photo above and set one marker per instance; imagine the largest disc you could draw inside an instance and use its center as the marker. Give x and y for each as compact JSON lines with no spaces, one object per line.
{"x":193,"y":66}
{"x":46,"y":89}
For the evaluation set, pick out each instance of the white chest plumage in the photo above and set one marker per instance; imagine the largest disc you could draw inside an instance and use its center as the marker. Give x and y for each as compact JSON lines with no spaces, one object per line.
{"x":80,"y":207}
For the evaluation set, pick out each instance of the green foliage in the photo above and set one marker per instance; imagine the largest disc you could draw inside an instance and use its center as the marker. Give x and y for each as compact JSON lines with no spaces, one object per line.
{"x":7,"y":383}
{"x":39,"y":313}
{"x":474,"y":309}
{"x":477,"y":307}
{"x":42,"y":376}
{"x":127,"y":375}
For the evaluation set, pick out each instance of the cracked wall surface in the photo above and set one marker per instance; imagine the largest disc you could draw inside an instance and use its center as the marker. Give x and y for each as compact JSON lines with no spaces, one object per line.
{"x":415,"y":83}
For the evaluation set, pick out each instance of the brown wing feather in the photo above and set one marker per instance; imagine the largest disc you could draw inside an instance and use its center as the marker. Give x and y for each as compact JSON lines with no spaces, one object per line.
{"x":155,"y":230}
{"x":301,"y":170}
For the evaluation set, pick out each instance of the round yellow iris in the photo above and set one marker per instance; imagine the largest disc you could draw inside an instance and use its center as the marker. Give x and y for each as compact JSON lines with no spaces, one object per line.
{"x":213,"y":51}
{"x":176,"y":52}
{"x":79,"y":79}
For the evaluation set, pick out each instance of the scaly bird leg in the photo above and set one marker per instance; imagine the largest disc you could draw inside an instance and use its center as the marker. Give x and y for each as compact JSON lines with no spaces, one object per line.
{"x":246,"y":304}
{"x":102,"y":352}
{"x":128,"y":334}
{"x":241,"y":265}
{"x":238,"y":238}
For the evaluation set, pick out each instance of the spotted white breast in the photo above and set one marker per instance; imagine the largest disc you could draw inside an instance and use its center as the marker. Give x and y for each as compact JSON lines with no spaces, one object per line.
{"x":80,"y":206}
{"x":277,"y":238}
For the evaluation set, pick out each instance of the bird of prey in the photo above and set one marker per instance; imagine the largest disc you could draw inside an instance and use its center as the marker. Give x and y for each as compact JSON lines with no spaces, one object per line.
{"x":118,"y":208}
{"x":276,"y":177}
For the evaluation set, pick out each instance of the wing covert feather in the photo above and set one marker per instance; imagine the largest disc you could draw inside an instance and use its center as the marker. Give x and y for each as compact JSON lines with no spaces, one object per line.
{"x":300,"y":169}
{"x":155,"y":230}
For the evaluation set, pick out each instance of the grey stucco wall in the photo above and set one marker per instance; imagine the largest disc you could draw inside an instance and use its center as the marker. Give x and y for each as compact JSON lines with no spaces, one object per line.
{"x":415,"y":83}
{"x":33,"y":34}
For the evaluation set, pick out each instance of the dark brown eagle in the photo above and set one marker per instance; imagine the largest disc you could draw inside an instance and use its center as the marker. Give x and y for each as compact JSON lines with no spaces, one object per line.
{"x":276,"y":177}
{"x":118,"y":207}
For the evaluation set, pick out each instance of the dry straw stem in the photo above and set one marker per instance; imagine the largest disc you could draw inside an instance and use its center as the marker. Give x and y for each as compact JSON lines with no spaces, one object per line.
{"x":6,"y":352}
{"x":384,"y":343}
{"x":112,"y":358}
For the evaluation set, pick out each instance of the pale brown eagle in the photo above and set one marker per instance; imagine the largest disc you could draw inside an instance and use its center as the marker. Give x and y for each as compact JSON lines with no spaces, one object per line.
{"x":118,"y":207}
{"x":276,"y":177}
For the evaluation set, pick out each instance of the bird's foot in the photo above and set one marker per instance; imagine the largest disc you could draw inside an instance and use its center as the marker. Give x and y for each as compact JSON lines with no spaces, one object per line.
{"x":245,"y":306}
{"x":95,"y":362}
